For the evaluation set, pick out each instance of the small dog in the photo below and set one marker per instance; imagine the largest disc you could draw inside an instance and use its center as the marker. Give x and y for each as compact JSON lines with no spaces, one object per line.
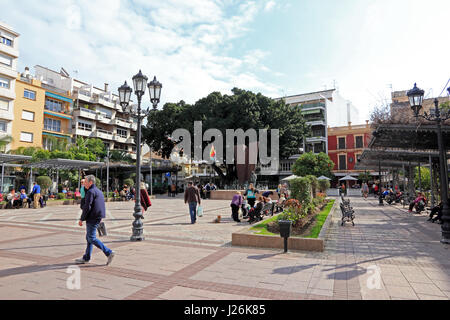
{"x":217,"y":220}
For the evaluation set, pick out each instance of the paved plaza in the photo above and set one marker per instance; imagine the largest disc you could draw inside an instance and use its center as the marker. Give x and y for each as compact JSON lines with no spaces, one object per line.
{"x":388,"y":254}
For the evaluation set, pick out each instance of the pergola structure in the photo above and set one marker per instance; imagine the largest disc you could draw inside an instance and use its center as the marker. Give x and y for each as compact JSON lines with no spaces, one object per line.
{"x":400,"y":146}
{"x":63,"y":164}
{"x":7,"y":158}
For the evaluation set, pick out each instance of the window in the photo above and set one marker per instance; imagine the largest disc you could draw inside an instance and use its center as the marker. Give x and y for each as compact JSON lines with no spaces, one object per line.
{"x":26,"y":137}
{"x":358,"y":156}
{"x":53,"y":105}
{"x":5,"y":60}
{"x":342,"y":162}
{"x":27,"y":115}
{"x":4,"y":104}
{"x":359,"y":142}
{"x":6,"y":41}
{"x":48,"y":143}
{"x":341,"y":143}
{"x":4,"y":83}
{"x":52,"y":124}
{"x":29,"y":94}
{"x":84,"y":126}
{"x":122,"y":133}
{"x":3,"y":126}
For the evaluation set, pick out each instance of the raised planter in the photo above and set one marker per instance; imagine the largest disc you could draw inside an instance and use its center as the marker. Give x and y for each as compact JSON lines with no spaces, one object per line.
{"x":228,"y":194}
{"x":246,"y":238}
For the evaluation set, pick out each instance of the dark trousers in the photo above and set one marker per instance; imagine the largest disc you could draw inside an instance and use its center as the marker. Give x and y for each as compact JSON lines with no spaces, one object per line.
{"x":436,"y":211}
{"x":411,"y":205}
{"x":251,"y":202}
{"x":235,"y":212}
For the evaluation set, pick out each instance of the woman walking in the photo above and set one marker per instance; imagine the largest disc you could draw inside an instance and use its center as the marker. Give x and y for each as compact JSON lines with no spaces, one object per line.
{"x":365,"y":190}
{"x":145,"y":199}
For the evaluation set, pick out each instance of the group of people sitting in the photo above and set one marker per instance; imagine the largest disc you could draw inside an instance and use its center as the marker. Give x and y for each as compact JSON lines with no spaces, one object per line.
{"x":252,"y":206}
{"x":126,"y":194}
{"x":16,"y":200}
{"x":205,"y":190}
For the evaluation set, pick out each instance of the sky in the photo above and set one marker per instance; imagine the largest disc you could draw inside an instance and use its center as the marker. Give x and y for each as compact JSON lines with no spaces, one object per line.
{"x":364,"y":48}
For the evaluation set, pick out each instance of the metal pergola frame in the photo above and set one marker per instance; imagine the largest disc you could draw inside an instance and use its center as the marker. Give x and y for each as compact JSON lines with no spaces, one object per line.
{"x":62,"y":164}
{"x":7,"y":158}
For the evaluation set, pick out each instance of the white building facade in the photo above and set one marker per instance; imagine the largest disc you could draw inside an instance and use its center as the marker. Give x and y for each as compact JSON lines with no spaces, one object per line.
{"x":9,"y":54}
{"x":96,"y":112}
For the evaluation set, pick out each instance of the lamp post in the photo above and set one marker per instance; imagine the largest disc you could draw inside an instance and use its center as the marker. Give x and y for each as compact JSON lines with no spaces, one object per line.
{"x":415,"y":96}
{"x":154,"y":88}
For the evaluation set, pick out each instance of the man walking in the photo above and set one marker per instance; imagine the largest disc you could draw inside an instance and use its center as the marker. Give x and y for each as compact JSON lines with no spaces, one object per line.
{"x":192,"y":197}
{"x":36,"y":194}
{"x":93,"y":212}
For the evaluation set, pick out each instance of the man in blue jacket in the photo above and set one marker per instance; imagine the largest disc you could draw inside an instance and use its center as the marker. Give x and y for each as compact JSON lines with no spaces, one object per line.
{"x":93,"y":212}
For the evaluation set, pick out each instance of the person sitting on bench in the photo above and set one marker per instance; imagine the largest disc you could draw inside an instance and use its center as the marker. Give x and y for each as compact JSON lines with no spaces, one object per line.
{"x":419,"y":198}
{"x":255,"y":212}
{"x":437,"y":210}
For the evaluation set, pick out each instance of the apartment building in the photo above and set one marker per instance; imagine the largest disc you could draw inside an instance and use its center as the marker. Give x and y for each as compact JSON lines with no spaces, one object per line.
{"x":28,"y":123}
{"x":346,"y":144}
{"x":96,"y":112}
{"x":9,"y":53}
{"x":320,"y":109}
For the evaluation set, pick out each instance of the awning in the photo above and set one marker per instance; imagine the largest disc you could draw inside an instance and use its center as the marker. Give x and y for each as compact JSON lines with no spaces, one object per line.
{"x":349,"y":178}
{"x":64,"y":164}
{"x":323,"y":178}
{"x":290,"y":178}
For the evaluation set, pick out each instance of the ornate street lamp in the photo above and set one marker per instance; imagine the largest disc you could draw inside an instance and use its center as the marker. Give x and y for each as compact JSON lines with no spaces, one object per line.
{"x":140,"y":84}
{"x":415,"y":96}
{"x":154,"y":89}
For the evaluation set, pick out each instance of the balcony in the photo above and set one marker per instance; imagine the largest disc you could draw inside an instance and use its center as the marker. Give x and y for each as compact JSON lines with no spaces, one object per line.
{"x":82,"y":132}
{"x":130,"y":140}
{"x":134,"y":126}
{"x":316,"y":122}
{"x":103,"y":118}
{"x":316,"y":139}
{"x":103,"y":134}
{"x":86,"y":113}
{"x":11,"y":51}
{"x":119,"y":138}
{"x":120,"y":122}
{"x":7,"y":93}
{"x":83,"y":96}
{"x":6,"y":115}
{"x":104,"y":101}
{"x":8,"y":71}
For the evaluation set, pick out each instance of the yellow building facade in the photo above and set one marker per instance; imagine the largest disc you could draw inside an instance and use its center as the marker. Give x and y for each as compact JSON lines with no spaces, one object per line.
{"x":42,"y":115}
{"x":57,"y":118}
{"x":28,"y":113}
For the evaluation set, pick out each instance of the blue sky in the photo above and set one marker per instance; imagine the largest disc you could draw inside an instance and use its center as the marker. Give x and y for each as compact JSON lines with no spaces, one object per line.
{"x":276,"y":47}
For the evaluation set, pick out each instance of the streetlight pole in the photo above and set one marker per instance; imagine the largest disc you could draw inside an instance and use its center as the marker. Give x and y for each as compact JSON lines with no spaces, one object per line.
{"x":415,"y":96}
{"x":154,"y":87}
{"x":380,"y":199}
{"x":107,"y":174}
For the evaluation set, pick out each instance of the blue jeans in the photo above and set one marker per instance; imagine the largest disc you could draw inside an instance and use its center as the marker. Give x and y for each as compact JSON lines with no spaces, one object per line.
{"x":91,"y":233}
{"x":193,"y":211}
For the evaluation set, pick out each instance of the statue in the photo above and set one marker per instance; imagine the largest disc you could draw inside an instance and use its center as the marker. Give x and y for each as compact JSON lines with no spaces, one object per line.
{"x":253,"y":178}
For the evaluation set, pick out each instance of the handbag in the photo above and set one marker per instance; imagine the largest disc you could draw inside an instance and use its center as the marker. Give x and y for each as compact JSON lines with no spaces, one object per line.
{"x":240,"y":214}
{"x":102,"y":229}
{"x":200,"y":211}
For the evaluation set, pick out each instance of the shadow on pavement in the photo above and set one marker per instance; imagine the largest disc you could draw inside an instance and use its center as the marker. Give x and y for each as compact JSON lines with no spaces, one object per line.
{"x":40,"y":268}
{"x":291,"y":270}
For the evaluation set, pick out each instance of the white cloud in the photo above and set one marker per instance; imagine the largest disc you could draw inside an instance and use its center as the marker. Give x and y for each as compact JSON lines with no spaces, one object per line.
{"x":183,"y":43}
{"x":269,"y":5}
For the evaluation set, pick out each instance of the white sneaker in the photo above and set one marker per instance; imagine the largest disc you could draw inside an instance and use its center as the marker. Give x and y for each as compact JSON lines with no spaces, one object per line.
{"x":110,"y":258}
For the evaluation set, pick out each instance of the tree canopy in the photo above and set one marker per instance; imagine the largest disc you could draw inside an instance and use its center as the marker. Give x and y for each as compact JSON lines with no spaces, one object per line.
{"x":241,"y":110}
{"x":313,"y":164}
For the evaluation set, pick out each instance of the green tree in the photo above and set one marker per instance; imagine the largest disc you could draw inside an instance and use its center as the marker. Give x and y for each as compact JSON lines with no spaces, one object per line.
{"x":364,"y":176}
{"x":97,"y":147}
{"x":44,"y":182}
{"x":241,"y":110}
{"x":120,"y":156}
{"x":313,"y":164}
{"x":425,"y":178}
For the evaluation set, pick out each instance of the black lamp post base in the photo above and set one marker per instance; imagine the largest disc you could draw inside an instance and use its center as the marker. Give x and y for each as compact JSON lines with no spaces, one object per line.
{"x":137,"y":238}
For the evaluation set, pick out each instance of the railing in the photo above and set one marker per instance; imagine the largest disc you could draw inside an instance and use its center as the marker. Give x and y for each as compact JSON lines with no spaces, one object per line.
{"x":50,"y":87}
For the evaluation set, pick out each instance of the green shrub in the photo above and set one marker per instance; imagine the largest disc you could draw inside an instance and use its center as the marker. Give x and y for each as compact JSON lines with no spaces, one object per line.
{"x":301,"y":190}
{"x":61,"y":195}
{"x":314,"y":184}
{"x":44,"y":182}
{"x":324,"y":185}
{"x":129,"y":182}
